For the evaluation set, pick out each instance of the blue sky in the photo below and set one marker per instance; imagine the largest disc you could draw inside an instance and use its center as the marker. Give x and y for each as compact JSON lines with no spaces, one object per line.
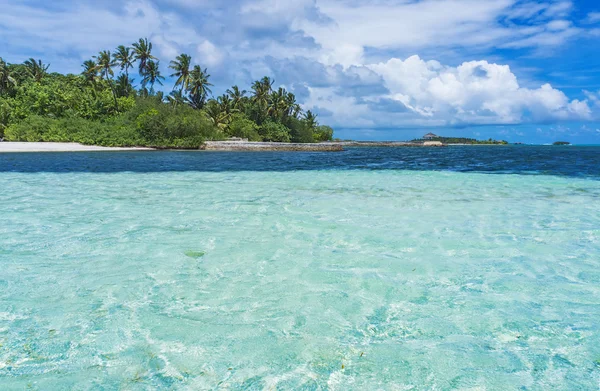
{"x":520,"y":70}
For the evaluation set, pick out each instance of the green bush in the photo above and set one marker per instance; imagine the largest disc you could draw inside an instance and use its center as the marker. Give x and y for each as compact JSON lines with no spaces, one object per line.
{"x":5,"y":114}
{"x":243,"y":127}
{"x":274,"y":131}
{"x":300,"y":132}
{"x":323,"y":133}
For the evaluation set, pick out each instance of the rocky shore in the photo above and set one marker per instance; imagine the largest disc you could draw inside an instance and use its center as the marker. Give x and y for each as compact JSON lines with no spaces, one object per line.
{"x":391,"y":144}
{"x":266,"y":146}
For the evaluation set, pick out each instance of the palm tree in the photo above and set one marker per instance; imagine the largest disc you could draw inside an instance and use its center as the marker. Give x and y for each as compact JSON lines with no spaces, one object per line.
{"x":262,"y":89}
{"x":6,"y":80}
{"x":152,"y":75}
{"x":90,"y":71}
{"x":142,"y":52}
{"x":219,"y":118}
{"x":176,"y":98}
{"x":294,"y":109}
{"x":36,"y":69}
{"x":124,"y":58}
{"x":124,"y":85}
{"x":311,"y":119}
{"x":226,"y":104}
{"x":199,"y":86}
{"x":104,"y":66}
{"x":278,"y":107}
{"x":181,"y":66}
{"x":237,"y":96}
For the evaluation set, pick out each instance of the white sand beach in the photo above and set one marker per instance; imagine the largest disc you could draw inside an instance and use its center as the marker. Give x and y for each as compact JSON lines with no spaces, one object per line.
{"x":58,"y":147}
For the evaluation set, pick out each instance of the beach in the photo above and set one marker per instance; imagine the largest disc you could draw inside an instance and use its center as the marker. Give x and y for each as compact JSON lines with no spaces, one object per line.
{"x":59,"y":147}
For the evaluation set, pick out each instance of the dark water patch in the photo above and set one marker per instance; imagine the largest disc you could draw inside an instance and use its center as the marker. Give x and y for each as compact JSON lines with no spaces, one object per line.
{"x":525,"y":160}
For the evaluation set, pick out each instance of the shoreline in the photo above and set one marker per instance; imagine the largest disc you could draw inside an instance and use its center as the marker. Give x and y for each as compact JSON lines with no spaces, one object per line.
{"x":216,"y":146}
{"x":17,"y":147}
{"x":249,"y":146}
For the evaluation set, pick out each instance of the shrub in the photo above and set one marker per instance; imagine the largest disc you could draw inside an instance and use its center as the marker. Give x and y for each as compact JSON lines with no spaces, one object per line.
{"x":274,"y":131}
{"x":243,"y":127}
{"x":300,"y":131}
{"x":323,"y":133}
{"x":5,"y":114}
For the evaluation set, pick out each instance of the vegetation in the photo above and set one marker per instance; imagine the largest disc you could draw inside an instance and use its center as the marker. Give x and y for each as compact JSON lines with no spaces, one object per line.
{"x":562,"y":143}
{"x":464,"y":140}
{"x":104,"y":106}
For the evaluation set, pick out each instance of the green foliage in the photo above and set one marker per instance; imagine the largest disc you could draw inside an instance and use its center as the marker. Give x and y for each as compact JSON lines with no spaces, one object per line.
{"x":243,"y":127}
{"x":5,"y":114}
{"x":323,"y":133}
{"x":150,"y":123}
{"x":102,"y":106}
{"x":274,"y":131}
{"x":300,"y":131}
{"x":63,"y":96}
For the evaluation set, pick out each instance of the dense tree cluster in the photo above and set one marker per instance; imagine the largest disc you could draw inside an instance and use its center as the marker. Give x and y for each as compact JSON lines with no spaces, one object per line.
{"x":102,"y":105}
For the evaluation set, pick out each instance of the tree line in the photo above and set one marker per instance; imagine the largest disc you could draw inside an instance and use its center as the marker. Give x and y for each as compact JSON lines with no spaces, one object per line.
{"x":104,"y":106}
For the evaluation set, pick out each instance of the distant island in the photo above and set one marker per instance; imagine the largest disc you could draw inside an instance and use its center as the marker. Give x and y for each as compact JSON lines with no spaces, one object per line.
{"x":561,"y":143}
{"x":105,"y":106}
{"x":430,"y":137}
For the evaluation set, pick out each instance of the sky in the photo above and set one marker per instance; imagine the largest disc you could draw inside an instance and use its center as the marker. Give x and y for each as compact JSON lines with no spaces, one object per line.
{"x":519,"y":70}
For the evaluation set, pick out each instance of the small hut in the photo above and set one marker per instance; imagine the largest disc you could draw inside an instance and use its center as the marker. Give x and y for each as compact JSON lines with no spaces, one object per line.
{"x":430,"y":136}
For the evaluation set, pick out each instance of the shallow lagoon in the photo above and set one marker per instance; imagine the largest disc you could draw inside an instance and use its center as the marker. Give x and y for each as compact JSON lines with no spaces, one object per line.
{"x":144,"y":271}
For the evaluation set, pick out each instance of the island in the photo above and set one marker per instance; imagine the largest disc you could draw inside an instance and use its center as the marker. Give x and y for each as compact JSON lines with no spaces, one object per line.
{"x":107,"y":105}
{"x":561,"y":143}
{"x":431,"y":137}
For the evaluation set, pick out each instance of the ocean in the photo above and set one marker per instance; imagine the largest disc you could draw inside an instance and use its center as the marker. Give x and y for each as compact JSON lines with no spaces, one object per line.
{"x":459,"y":268}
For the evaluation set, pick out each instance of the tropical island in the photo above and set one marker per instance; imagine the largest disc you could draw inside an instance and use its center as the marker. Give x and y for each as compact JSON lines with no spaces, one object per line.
{"x":430,"y":137}
{"x":104,"y":105}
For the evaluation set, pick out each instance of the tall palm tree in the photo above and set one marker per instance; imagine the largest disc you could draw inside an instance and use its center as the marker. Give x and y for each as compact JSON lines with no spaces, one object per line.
{"x":311,"y":119}
{"x":124,"y":58}
{"x":217,"y":115}
{"x":199,"y":86}
{"x":6,"y":80}
{"x":36,"y":69}
{"x":152,"y":75}
{"x":104,"y":66}
{"x":294,"y":109}
{"x":142,"y":52}
{"x":278,"y":105}
{"x":237,"y":96}
{"x":226,"y":104}
{"x":181,"y":66}
{"x":124,"y":85}
{"x":262,"y":89}
{"x":176,"y":98}
{"x":90,"y":71}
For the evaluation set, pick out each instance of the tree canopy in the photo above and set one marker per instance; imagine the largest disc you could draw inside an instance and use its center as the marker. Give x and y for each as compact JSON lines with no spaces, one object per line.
{"x":104,"y":106}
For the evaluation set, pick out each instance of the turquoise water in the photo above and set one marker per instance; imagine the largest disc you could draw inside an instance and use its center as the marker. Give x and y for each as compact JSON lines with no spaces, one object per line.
{"x":284,"y":280}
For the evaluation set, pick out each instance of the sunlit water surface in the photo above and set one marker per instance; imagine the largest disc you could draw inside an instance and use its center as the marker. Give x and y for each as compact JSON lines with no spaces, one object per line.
{"x":320,"y":279}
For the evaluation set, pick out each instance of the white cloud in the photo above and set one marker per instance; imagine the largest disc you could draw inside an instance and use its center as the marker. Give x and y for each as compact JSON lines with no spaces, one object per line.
{"x":209,"y":54}
{"x":86,"y":30}
{"x":412,"y":25}
{"x":343,"y":52}
{"x":475,"y":92}
{"x":593,"y":17}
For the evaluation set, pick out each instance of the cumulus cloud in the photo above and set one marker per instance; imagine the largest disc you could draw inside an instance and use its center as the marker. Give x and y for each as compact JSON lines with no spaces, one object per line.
{"x":429,"y":93}
{"x":353,"y":61}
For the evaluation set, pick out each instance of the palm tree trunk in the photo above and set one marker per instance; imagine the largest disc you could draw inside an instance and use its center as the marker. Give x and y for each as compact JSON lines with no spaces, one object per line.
{"x":112,"y":88}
